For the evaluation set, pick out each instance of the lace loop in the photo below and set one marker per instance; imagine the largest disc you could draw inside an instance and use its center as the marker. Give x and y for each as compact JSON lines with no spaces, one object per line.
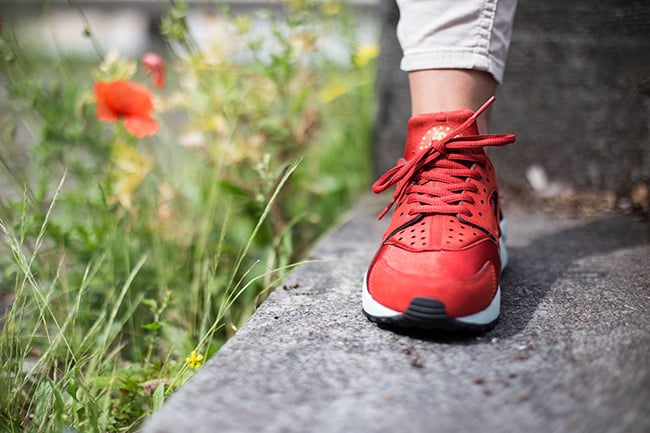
{"x":443,"y":190}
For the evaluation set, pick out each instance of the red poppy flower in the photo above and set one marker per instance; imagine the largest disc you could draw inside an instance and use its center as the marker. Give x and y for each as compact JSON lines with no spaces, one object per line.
{"x":155,"y":65}
{"x":129,"y":101}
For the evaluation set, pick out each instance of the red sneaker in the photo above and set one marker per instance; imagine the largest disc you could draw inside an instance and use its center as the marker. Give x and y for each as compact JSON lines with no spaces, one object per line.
{"x":440,"y":260}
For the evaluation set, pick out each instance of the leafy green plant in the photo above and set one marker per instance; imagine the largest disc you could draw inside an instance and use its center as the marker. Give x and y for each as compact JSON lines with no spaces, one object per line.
{"x":131,"y":250}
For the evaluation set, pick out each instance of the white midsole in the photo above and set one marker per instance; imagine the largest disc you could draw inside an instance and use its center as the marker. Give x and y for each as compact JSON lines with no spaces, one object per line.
{"x":488,"y":315}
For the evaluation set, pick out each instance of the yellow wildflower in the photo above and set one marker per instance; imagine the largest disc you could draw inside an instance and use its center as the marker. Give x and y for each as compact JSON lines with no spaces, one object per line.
{"x":365,"y":53}
{"x":129,"y":169}
{"x":114,"y":67}
{"x":296,"y":5}
{"x":242,"y":24}
{"x":332,"y":91}
{"x":331,"y":8}
{"x":194,"y":360}
{"x":302,"y":42}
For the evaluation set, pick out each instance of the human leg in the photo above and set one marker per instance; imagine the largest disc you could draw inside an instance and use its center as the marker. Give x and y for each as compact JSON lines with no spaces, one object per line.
{"x":455,"y":52}
{"x":436,"y":90}
{"x":440,"y":259}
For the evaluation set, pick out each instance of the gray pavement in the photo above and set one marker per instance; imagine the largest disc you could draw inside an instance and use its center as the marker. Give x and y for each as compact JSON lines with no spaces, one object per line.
{"x":571,"y":352}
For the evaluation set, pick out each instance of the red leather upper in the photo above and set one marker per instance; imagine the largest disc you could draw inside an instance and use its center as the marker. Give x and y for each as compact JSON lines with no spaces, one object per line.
{"x":442,"y":240}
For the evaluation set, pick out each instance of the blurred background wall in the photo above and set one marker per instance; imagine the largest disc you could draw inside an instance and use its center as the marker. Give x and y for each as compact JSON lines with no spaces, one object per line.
{"x":576,"y":93}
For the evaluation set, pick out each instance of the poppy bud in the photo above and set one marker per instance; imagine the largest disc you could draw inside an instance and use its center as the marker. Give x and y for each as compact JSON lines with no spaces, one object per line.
{"x":155,"y":65}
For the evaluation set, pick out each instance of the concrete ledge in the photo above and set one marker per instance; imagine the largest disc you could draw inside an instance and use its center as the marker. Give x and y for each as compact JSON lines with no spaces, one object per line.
{"x":569,"y":354}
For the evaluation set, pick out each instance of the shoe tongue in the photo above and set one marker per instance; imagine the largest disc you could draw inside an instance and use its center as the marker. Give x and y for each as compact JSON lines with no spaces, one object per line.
{"x":423,"y":128}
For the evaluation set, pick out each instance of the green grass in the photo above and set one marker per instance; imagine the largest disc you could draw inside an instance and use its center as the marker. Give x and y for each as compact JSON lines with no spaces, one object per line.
{"x":122,"y":256}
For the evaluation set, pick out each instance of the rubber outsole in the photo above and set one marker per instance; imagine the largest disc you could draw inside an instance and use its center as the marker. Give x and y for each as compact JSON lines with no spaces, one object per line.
{"x":428,"y":314}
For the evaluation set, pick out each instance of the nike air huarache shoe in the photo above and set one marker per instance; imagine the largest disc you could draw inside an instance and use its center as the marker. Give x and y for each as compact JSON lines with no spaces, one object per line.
{"x":440,"y":260}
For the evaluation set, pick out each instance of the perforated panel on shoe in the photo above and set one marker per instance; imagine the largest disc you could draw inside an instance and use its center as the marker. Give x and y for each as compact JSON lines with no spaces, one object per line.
{"x":452,"y":232}
{"x":458,"y":235}
{"x":484,"y":212}
{"x":417,"y":236}
{"x":400,"y":219}
{"x":437,"y":232}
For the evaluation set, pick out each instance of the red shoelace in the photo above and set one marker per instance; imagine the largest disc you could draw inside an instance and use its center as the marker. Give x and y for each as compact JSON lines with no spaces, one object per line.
{"x":434,"y":180}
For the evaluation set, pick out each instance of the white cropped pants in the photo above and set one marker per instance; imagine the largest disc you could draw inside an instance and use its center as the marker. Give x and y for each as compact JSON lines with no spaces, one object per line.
{"x":456,"y":34}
